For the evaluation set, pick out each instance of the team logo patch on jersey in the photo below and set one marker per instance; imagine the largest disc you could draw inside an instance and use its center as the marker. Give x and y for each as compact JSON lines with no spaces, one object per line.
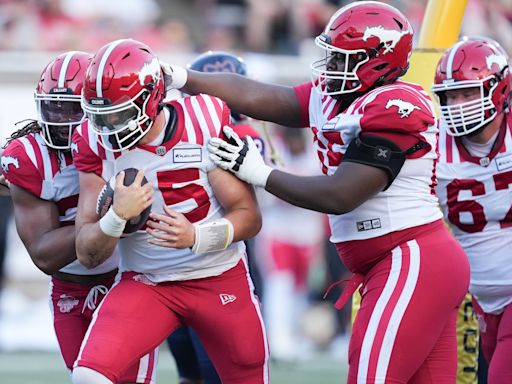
{"x":8,"y":160}
{"x":187,"y":155}
{"x":404,"y":107}
{"x":367,"y":225}
{"x":388,"y":37}
{"x":226,"y":298}
{"x":66,"y":303}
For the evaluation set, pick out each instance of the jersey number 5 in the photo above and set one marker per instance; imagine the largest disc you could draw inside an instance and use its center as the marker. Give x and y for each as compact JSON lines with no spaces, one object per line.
{"x":174,"y":193}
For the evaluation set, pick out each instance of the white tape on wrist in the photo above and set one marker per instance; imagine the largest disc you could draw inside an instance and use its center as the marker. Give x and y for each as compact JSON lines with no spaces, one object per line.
{"x":214,"y":236}
{"x":111,"y":224}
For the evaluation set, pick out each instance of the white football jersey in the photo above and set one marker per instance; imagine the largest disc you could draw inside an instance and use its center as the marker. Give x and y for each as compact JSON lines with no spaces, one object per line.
{"x":178,"y":171}
{"x":50,"y":175}
{"x":476,"y":198}
{"x":401,"y":112}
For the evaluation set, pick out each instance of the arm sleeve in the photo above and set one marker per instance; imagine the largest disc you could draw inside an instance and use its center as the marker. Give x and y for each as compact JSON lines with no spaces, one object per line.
{"x":303,"y":93}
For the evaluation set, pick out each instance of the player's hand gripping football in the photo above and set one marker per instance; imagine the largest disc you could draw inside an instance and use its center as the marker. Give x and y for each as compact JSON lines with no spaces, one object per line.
{"x":131,"y":200}
{"x":172,"y":230}
{"x":240,"y":157}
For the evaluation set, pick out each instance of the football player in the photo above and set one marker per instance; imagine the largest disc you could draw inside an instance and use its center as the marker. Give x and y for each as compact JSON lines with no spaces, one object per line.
{"x":188,"y":267}
{"x":376,"y":139}
{"x":192,"y":361}
{"x":472,"y":85}
{"x":43,"y":180}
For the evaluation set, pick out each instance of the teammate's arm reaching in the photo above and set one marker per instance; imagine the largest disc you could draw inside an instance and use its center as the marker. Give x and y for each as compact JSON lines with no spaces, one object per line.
{"x":263,"y":101}
{"x":96,"y":241}
{"x":353,"y":183}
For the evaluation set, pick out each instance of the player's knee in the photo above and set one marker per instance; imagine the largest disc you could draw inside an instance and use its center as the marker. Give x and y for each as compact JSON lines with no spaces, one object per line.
{"x":84,"y":375}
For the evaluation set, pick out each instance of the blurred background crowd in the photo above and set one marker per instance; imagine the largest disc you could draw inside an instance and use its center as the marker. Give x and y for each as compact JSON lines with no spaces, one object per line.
{"x":267,"y":26}
{"x":276,"y":39}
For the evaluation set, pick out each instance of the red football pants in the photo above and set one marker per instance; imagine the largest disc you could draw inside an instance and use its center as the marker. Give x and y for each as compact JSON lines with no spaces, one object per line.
{"x":496,"y":338}
{"x":405,"y":330}
{"x":137,"y":315}
{"x":71,"y":319}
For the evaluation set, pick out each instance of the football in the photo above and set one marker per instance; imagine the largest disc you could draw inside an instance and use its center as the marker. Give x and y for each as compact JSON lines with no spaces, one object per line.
{"x":106,"y":199}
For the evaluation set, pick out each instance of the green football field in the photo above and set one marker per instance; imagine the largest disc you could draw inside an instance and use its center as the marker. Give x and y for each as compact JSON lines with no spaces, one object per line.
{"x":48,"y":368}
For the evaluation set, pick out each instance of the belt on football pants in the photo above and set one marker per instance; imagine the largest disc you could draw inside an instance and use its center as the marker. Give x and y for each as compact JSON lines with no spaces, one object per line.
{"x":84,"y":279}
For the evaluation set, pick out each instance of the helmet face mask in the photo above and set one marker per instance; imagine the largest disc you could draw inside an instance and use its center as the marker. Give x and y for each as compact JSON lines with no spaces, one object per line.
{"x":343,"y":78}
{"x":373,"y":43}
{"x":123,"y":93}
{"x":57,"y":98}
{"x":122,"y":125}
{"x":471,"y":65}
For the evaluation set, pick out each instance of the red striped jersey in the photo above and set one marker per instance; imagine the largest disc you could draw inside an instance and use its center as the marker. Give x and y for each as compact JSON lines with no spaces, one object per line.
{"x":178,"y":170}
{"x":476,"y":197}
{"x":400,"y":112}
{"x":49,"y":175}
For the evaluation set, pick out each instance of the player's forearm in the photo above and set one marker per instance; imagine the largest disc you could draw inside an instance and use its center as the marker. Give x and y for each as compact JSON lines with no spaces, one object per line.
{"x":54,"y":250}
{"x":246,"y":223}
{"x":93,"y":247}
{"x":256,"y":99}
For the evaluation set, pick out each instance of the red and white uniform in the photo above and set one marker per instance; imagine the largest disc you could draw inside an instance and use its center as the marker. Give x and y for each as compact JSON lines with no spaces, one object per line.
{"x":51,"y":175}
{"x":178,"y":171}
{"x":475,"y":194}
{"x":395,"y":243}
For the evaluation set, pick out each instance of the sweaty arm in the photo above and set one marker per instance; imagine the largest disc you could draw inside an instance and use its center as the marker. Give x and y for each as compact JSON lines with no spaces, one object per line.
{"x":239,"y":202}
{"x":50,"y":246}
{"x":350,"y":186}
{"x":262,"y":101}
{"x":93,"y":247}
{"x":93,"y":243}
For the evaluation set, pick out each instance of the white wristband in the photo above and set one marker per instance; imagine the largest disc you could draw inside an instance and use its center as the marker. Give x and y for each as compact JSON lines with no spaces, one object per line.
{"x":214,"y":236}
{"x":111,"y":224}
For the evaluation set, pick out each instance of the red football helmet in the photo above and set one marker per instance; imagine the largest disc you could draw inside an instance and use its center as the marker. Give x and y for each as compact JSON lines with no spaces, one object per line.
{"x":367,"y":44}
{"x":477,"y":64}
{"x":57,"y":97}
{"x":123,"y":93}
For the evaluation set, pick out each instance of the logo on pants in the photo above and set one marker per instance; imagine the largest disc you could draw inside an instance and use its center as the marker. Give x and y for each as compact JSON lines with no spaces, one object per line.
{"x":66,"y":303}
{"x":226,"y":298}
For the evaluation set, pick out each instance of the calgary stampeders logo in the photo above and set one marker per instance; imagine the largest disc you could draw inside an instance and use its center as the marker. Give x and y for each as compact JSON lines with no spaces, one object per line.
{"x":151,"y":69}
{"x":497,"y":59}
{"x":66,"y":303}
{"x":9,"y":160}
{"x":404,"y":107}
{"x":388,"y":37}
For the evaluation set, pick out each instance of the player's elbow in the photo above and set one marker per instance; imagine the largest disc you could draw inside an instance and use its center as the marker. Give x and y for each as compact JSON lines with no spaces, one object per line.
{"x":45,"y":266}
{"x":256,"y":222}
{"x":87,"y":259}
